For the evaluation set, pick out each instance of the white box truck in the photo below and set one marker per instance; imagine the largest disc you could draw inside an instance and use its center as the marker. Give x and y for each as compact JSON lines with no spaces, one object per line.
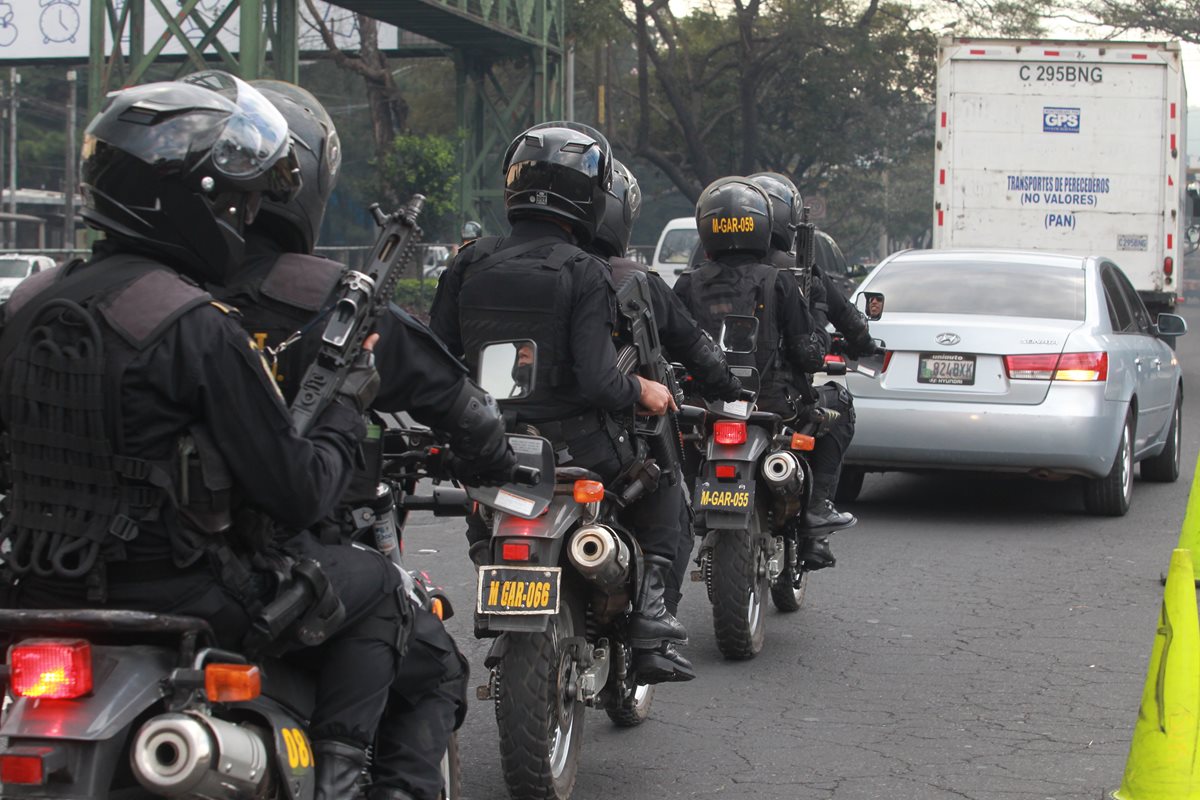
{"x":1070,"y":146}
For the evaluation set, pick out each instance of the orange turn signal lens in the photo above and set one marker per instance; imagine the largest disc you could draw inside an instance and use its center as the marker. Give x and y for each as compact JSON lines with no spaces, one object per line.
{"x":802,"y":441}
{"x":589,"y":491}
{"x":437,"y":608}
{"x":232,"y":683}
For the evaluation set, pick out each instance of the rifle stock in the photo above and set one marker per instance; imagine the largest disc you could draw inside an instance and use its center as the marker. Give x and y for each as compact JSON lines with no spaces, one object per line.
{"x":363,"y":297}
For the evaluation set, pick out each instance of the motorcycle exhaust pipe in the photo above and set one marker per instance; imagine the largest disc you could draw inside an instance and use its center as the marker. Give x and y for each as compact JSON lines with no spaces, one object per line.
{"x":783,"y":474}
{"x":600,"y":556}
{"x":196,"y":756}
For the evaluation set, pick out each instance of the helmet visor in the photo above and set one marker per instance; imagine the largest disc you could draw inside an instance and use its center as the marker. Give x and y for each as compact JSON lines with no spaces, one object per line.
{"x":541,"y":178}
{"x":255,"y":135}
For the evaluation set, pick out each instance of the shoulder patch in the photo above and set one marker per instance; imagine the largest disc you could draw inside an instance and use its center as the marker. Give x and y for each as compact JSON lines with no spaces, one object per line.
{"x":302,"y":281}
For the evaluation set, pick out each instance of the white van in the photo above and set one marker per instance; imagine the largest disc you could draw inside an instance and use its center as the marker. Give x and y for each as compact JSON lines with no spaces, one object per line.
{"x":674,"y":249}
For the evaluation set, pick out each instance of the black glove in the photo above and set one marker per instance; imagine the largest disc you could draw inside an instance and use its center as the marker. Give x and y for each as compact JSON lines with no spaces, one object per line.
{"x":482,"y":455}
{"x":361,"y":386}
{"x":731,"y":390}
{"x":861,"y":347}
{"x":808,"y":352}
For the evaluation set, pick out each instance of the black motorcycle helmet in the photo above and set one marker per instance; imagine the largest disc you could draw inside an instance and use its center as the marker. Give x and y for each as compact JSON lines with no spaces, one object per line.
{"x":177,"y":170}
{"x":296,"y":224}
{"x":621,"y":211}
{"x":733,"y":215}
{"x":786,"y":207}
{"x":561,"y":170}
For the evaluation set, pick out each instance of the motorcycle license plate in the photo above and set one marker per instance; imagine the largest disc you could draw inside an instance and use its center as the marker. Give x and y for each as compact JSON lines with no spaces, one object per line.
{"x":947,"y":369}
{"x":518,"y":590}
{"x":715,"y":496}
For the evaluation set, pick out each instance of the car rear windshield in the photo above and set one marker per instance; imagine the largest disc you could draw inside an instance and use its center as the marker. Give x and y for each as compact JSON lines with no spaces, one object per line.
{"x":1006,"y":290}
{"x":14,"y":267}
{"x":677,"y":246}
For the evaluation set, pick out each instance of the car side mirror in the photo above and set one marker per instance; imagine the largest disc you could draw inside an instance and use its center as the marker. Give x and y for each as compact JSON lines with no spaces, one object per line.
{"x":508,"y":370}
{"x":871,"y":304}
{"x":1171,"y":325}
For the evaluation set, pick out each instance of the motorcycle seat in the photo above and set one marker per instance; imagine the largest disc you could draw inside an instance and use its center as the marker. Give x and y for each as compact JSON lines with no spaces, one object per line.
{"x":102,"y":623}
{"x":765,"y":418}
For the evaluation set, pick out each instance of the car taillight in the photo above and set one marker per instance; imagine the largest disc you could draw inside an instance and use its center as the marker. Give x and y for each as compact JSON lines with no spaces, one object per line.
{"x":727,"y":432}
{"x":54,"y":669}
{"x":1065,"y":367}
{"x":726,"y":471}
{"x":1082,"y":367}
{"x":887,"y":359}
{"x":515,"y":551}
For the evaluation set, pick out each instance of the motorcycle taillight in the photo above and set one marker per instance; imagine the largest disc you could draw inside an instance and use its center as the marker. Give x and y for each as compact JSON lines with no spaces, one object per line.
{"x":52,"y":669}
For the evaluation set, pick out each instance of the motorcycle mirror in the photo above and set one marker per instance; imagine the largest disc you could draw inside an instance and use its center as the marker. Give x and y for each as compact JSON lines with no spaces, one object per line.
{"x":870,"y":303}
{"x":507,"y":370}
{"x":739,"y":334}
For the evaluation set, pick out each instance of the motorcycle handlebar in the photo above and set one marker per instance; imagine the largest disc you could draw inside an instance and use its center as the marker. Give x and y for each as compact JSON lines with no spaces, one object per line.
{"x":527,"y":476}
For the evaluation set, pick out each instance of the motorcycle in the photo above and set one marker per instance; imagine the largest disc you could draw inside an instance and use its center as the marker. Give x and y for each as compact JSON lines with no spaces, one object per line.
{"x":555,"y":594}
{"x":751,"y":543}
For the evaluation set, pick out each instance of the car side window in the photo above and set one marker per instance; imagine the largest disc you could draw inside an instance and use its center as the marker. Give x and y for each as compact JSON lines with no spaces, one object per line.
{"x":1141,"y":317}
{"x":1118,"y":309}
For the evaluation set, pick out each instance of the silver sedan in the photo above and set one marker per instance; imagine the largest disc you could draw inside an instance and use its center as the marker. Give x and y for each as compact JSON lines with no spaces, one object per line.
{"x":1024,"y":362}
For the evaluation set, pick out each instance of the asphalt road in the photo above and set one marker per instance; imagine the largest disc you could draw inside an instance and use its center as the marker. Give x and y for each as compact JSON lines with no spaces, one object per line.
{"x":980,"y":638}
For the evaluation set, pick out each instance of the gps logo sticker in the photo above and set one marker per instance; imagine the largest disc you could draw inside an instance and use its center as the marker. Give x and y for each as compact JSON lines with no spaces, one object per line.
{"x":1060,"y":120}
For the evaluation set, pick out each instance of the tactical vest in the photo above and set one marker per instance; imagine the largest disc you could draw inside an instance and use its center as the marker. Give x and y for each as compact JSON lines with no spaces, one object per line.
{"x":75,"y":498}
{"x":522,"y":291}
{"x":718,"y":290}
{"x":288,"y":299}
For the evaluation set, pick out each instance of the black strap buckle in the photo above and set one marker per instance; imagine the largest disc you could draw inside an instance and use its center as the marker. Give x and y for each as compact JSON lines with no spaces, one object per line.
{"x":134,"y":469}
{"x":123,"y":528}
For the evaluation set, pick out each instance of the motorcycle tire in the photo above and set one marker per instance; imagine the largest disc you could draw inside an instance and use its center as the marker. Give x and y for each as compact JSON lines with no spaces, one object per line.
{"x":541,"y":729}
{"x":785,"y":594}
{"x":739,"y":590}
{"x":635,"y":707}
{"x":452,"y":771}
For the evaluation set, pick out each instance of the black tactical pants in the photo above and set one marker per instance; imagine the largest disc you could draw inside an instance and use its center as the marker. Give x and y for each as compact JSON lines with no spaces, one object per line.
{"x":830,"y":449}
{"x":685,"y":543}
{"x":354,"y":667}
{"x":427,"y":704}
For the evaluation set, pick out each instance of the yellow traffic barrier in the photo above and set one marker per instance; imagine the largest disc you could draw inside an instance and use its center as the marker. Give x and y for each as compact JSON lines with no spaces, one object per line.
{"x":1163,"y":754}
{"x":1189,"y":537}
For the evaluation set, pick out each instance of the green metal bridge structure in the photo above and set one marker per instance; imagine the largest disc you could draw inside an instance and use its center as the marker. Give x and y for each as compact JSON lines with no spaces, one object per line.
{"x":494,"y":103}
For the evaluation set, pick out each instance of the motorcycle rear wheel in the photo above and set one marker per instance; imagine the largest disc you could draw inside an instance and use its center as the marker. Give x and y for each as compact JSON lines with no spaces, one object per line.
{"x":538,"y":712}
{"x":739,"y":591}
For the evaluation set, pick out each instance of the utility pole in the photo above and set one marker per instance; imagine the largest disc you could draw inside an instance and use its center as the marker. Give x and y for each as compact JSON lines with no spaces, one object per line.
{"x":14,"y":80}
{"x":69,"y":179}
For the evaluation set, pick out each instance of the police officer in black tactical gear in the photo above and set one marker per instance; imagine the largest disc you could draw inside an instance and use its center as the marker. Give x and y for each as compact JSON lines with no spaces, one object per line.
{"x":536,"y":283}
{"x":282,"y":289}
{"x":821,"y":517}
{"x":155,"y":482}
{"x":684,"y":340}
{"x":737,"y":223}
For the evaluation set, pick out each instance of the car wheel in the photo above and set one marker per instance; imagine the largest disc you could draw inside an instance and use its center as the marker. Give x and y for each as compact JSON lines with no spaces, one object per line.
{"x":1109,"y":496}
{"x":1164,"y":467}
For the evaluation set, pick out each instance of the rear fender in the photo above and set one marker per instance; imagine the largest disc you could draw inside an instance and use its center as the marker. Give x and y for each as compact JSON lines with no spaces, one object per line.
{"x":294,"y":759}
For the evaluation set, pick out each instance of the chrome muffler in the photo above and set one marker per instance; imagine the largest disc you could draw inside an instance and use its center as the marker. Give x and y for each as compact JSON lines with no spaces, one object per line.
{"x":600,"y":556}
{"x":195,"y":756}
{"x":782,"y":472}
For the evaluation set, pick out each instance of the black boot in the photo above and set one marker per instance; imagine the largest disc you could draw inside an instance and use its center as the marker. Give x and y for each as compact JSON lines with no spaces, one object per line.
{"x":664,"y":665}
{"x":339,"y":770}
{"x":650,"y":624}
{"x":815,"y":553}
{"x":822,"y":517}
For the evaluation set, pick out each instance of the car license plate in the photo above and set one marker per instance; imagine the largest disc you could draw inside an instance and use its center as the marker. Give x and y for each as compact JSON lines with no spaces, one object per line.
{"x":713,"y":496}
{"x":518,"y":590}
{"x":951,"y":369}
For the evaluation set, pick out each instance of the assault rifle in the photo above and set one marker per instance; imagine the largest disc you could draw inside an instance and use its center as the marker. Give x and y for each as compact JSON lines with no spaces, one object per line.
{"x":362,"y":298}
{"x":806,"y":256}
{"x":644,"y":354}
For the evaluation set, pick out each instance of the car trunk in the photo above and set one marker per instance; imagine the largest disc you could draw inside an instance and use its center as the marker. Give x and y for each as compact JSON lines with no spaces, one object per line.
{"x":972,"y":369}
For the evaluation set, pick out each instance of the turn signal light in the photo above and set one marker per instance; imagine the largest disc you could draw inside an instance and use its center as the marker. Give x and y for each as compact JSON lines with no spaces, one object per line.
{"x":589,"y":491}
{"x":232,"y":683}
{"x":802,"y":441}
{"x":515,"y":551}
{"x":729,"y":432}
{"x":23,"y":770}
{"x":438,"y":608}
{"x":1065,"y":367}
{"x":53,"y":669}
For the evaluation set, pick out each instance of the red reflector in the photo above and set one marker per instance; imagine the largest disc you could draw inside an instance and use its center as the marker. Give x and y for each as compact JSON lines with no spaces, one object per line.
{"x":977,"y":52}
{"x":1172,"y":111}
{"x":22,"y":770}
{"x":1139,"y":56}
{"x":727,"y":432}
{"x":942,"y":176}
{"x":1038,"y":367}
{"x":887,"y":359}
{"x":1168,"y":262}
{"x":726,"y":471}
{"x":940,"y":218}
{"x":56,"y":669}
{"x":1172,"y":141}
{"x":943,"y":119}
{"x":515,"y":551}
{"x":1052,"y":52}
